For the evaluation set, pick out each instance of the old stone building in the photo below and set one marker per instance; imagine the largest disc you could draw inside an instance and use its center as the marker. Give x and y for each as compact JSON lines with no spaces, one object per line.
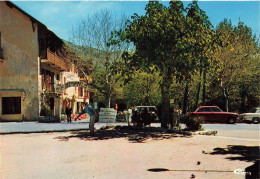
{"x":30,"y":67}
{"x":74,"y":95}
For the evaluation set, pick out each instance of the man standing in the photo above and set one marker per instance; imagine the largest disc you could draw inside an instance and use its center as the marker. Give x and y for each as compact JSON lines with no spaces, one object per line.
{"x":68,"y":112}
{"x":129,"y":115}
{"x":92,"y":114}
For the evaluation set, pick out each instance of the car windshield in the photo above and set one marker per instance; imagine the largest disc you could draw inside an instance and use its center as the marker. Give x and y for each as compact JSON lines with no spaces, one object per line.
{"x":255,"y":110}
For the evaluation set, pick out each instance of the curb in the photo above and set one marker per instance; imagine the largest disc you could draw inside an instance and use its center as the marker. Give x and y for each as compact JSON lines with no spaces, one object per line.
{"x":43,"y":131}
{"x":151,"y":129}
{"x":195,"y":133}
{"x":177,"y":131}
{"x":206,"y":133}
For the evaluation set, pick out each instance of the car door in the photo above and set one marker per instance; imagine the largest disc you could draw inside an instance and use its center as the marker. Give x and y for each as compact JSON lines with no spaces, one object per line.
{"x":153,"y":113}
{"x":218,"y":115}
{"x":205,"y":113}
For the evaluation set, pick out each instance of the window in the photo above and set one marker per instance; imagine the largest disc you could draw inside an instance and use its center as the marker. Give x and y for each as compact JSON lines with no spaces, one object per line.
{"x":216,"y":110}
{"x":139,"y":109}
{"x":205,"y":110}
{"x":58,"y":77}
{"x":153,"y":109}
{"x":85,"y":93}
{"x":11,"y":105}
{"x":80,"y":91}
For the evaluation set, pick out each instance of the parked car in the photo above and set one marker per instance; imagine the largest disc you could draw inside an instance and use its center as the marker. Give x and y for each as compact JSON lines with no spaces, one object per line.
{"x":252,"y":116}
{"x":215,"y":114}
{"x":152,"y":111}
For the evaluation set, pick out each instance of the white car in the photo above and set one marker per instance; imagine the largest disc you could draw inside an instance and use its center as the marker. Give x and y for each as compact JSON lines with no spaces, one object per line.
{"x":253,"y":116}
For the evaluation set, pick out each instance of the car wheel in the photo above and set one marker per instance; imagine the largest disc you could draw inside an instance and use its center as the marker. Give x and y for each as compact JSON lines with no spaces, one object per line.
{"x":255,"y":120}
{"x":231,"y":120}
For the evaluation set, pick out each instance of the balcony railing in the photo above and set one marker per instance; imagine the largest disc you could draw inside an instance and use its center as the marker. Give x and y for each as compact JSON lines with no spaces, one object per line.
{"x":56,"y":61}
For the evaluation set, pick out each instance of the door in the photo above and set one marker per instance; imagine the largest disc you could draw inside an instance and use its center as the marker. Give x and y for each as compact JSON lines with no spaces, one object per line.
{"x":206,"y":113}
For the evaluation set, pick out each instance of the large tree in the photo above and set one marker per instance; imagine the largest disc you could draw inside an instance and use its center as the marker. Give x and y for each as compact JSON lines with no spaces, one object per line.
{"x":201,"y":38}
{"x":163,"y":41}
{"x":237,"y":52}
{"x":90,"y":37}
{"x":142,"y":89}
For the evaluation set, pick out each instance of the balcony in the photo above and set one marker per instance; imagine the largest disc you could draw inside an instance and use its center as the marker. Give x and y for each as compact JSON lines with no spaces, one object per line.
{"x":55,"y":61}
{"x":83,"y":79}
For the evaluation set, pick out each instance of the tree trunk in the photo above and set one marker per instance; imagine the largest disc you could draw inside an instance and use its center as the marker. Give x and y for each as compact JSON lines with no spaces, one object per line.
{"x":108,"y":81}
{"x":185,"y":99}
{"x":225,"y":95}
{"x":243,"y":93}
{"x":197,"y":96}
{"x":204,"y":88}
{"x":108,"y":100}
{"x":165,"y":110}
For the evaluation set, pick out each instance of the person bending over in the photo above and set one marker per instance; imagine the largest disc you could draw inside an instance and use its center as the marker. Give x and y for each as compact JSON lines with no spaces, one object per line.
{"x":92,"y":114}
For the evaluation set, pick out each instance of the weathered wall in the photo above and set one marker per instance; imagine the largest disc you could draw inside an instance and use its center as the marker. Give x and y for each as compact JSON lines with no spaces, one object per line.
{"x":70,"y":76}
{"x":19,"y":41}
{"x":57,"y":102}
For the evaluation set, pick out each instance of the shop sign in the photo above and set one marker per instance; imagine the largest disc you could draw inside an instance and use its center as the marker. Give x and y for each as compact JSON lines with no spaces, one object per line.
{"x":71,"y":84}
{"x":107,"y":115}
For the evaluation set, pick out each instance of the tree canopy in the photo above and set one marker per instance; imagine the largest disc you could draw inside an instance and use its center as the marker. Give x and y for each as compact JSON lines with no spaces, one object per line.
{"x":169,"y":42}
{"x":167,"y":54}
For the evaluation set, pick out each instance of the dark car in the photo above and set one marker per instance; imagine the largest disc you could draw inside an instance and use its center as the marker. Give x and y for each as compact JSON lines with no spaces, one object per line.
{"x":215,"y":114}
{"x":152,"y":112}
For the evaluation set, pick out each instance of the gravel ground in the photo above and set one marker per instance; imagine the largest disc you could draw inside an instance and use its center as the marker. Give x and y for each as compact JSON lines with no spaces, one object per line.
{"x":122,"y":154}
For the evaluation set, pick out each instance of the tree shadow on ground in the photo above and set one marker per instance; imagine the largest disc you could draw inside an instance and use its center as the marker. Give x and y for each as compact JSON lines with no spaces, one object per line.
{"x":134,"y":135}
{"x":246,"y":153}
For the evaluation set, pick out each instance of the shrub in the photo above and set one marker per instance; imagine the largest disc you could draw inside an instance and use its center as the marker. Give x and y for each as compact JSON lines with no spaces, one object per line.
{"x":193,"y":123}
{"x":46,"y":111}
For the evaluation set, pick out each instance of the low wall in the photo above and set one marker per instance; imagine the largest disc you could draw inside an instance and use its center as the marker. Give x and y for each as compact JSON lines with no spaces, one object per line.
{"x":49,"y":119}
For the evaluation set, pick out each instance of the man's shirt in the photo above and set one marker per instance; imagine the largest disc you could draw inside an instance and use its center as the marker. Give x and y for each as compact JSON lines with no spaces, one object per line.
{"x":89,"y":110}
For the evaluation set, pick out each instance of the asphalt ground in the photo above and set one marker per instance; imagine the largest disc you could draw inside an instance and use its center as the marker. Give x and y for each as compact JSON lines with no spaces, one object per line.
{"x":30,"y":127}
{"x":239,"y":130}
{"x":122,"y":154}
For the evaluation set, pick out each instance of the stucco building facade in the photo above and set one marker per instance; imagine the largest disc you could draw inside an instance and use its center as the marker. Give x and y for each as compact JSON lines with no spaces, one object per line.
{"x":30,"y":67}
{"x":74,"y":95}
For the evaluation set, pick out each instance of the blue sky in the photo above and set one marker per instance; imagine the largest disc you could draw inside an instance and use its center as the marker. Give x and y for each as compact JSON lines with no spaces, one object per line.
{"x":60,"y":16}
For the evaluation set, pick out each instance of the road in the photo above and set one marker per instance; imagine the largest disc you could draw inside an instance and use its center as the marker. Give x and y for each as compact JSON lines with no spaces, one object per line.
{"x":123,"y":154}
{"x":238,"y":131}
